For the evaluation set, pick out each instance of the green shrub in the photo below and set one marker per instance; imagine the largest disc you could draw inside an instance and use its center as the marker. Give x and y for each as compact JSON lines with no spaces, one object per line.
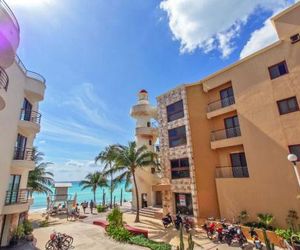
{"x":101,"y":209}
{"x":258,"y":225}
{"x":243,"y":216}
{"x":27,"y":227}
{"x":265,"y":219}
{"x":140,"y":240}
{"x":285,"y":234}
{"x":19,"y":232}
{"x":44,"y":223}
{"x":115,"y":218}
{"x":292,"y":219}
{"x":118,"y":233}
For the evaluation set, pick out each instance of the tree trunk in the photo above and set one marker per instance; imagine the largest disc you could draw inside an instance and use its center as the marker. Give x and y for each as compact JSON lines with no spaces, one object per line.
{"x":103,"y":198}
{"x":111,"y":190}
{"x":137,"y":218}
{"x":94,"y":191}
{"x":121,"y":199}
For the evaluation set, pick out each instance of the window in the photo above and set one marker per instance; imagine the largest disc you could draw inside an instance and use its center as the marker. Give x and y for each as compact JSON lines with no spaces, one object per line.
{"x":20,"y":149}
{"x":177,"y":137}
{"x":232,"y":126}
{"x":227,"y":97}
{"x":150,"y":142}
{"x":278,"y":70}
{"x":180,"y":168}
{"x":239,"y":165}
{"x":295,"y":38}
{"x":295,"y":149}
{"x":175,"y":111}
{"x":26,"y":110}
{"x":288,"y":105}
{"x":148,"y":124}
{"x":184,"y":204}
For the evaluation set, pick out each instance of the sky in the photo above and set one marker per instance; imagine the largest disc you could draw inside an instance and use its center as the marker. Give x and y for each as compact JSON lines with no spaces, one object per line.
{"x":97,"y":54}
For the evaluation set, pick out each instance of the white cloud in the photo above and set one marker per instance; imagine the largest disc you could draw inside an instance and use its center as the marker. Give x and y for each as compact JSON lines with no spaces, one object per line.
{"x":212,"y":24}
{"x":259,"y":39}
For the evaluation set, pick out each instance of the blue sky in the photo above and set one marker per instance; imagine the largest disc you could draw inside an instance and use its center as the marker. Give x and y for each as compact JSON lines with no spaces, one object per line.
{"x":97,"y":54}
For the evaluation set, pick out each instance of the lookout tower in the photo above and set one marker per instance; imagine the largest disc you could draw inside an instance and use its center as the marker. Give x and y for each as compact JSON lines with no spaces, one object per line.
{"x":146,"y":133}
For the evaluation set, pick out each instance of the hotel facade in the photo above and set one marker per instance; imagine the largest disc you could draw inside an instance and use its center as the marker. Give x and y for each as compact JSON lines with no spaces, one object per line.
{"x":21,"y":91}
{"x":224,"y":140}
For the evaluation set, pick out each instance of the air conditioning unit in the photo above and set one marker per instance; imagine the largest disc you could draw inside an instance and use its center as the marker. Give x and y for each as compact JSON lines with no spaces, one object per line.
{"x":295,"y":38}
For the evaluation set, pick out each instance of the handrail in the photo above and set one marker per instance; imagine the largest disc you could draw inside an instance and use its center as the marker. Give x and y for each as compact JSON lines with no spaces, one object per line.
{"x":3,"y":79}
{"x":29,"y":73}
{"x":225,"y":133}
{"x":31,"y":116}
{"x":11,"y":14}
{"x":17,"y":196}
{"x":22,"y":153}
{"x":221,"y":103}
{"x":232,"y":172}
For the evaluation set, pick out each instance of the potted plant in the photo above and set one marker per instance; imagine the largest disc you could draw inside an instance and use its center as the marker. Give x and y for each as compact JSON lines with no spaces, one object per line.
{"x":17,"y":234}
{"x":295,"y":239}
{"x":28,"y":229}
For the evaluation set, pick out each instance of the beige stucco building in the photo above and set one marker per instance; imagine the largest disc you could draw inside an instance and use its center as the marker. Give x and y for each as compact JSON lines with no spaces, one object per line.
{"x":20,"y":92}
{"x":224,"y":140}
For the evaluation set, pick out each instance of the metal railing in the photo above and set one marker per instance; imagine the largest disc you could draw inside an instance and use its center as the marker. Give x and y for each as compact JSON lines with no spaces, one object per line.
{"x":3,"y":79}
{"x":29,"y":73}
{"x":222,"y":103}
{"x":232,"y":172}
{"x":225,"y":133}
{"x":16,"y":196}
{"x":25,"y":154}
{"x":12,"y":16}
{"x":31,"y":116}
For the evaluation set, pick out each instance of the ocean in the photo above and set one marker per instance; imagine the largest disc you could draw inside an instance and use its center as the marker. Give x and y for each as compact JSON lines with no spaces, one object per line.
{"x":40,"y":200}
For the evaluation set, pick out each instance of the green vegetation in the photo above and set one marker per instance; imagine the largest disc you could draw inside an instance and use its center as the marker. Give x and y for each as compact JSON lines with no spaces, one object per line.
{"x":265,"y":219}
{"x":191,"y":243}
{"x":93,"y":181}
{"x":101,"y":209}
{"x":28,"y":229}
{"x":115,"y":218}
{"x":40,"y":180}
{"x":269,"y":245}
{"x":140,"y":240}
{"x":44,"y":223}
{"x":292,"y":219}
{"x":117,"y":231}
{"x":19,"y":232}
{"x":243,"y":217}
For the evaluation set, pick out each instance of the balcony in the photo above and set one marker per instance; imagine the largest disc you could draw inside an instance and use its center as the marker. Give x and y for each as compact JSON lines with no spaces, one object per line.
{"x":232,"y":172}
{"x":16,"y":201}
{"x":9,"y":35}
{"x":23,"y":159}
{"x":146,"y":131}
{"x":221,"y":107}
{"x":35,"y":83}
{"x":226,"y":138}
{"x":29,"y":122}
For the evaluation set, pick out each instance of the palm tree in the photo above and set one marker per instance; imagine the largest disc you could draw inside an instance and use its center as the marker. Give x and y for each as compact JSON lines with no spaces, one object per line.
{"x":127,"y":160}
{"x":40,"y":180}
{"x":93,"y":181}
{"x":107,"y":157}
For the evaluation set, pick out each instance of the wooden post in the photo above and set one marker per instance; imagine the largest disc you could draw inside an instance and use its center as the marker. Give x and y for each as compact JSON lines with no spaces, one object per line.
{"x":121,"y":199}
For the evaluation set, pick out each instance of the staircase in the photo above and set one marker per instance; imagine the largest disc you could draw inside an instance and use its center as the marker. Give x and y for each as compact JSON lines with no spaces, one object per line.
{"x":150,"y":212}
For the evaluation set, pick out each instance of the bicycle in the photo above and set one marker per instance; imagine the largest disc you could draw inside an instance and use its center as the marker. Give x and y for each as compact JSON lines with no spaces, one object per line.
{"x":59,"y":241}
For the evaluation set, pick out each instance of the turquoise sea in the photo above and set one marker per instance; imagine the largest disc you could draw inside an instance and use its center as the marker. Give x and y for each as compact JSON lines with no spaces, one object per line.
{"x":40,"y":200}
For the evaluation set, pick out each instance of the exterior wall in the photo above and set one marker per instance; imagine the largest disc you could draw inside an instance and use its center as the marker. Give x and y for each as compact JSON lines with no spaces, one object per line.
{"x":266,"y":135}
{"x":185,"y":185}
{"x":10,"y":127}
{"x":205,"y":160}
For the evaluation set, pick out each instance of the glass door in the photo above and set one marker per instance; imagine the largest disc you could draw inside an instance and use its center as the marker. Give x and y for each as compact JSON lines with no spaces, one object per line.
{"x":232,"y":126}
{"x":13,"y":189}
{"x":226,"y":96}
{"x":239,"y":165}
{"x":20,"y":147}
{"x":27,"y":109}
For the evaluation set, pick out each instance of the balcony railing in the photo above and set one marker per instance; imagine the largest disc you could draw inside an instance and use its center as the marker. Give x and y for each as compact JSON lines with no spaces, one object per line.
{"x":16,"y":196}
{"x":25,"y":154}
{"x":31,"y":116}
{"x":3,"y":79}
{"x":232,"y":172}
{"x":13,"y":18}
{"x":29,"y":73}
{"x":225,"y":133}
{"x":220,"y":103}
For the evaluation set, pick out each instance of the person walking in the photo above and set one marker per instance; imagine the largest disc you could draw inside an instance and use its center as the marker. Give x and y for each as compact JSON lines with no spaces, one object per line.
{"x":91,"y":206}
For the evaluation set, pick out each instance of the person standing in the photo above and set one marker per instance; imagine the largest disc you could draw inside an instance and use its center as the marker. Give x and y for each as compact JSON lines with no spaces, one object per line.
{"x":91,"y":206}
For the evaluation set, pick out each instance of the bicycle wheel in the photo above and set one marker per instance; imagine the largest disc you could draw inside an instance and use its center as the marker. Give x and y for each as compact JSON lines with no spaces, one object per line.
{"x":50,"y":245}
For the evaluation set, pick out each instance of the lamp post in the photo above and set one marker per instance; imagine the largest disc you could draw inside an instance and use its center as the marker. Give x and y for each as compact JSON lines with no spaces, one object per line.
{"x":293,"y":159}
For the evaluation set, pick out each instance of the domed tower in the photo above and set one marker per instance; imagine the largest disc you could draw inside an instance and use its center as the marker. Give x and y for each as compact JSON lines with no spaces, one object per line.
{"x":146,"y":133}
